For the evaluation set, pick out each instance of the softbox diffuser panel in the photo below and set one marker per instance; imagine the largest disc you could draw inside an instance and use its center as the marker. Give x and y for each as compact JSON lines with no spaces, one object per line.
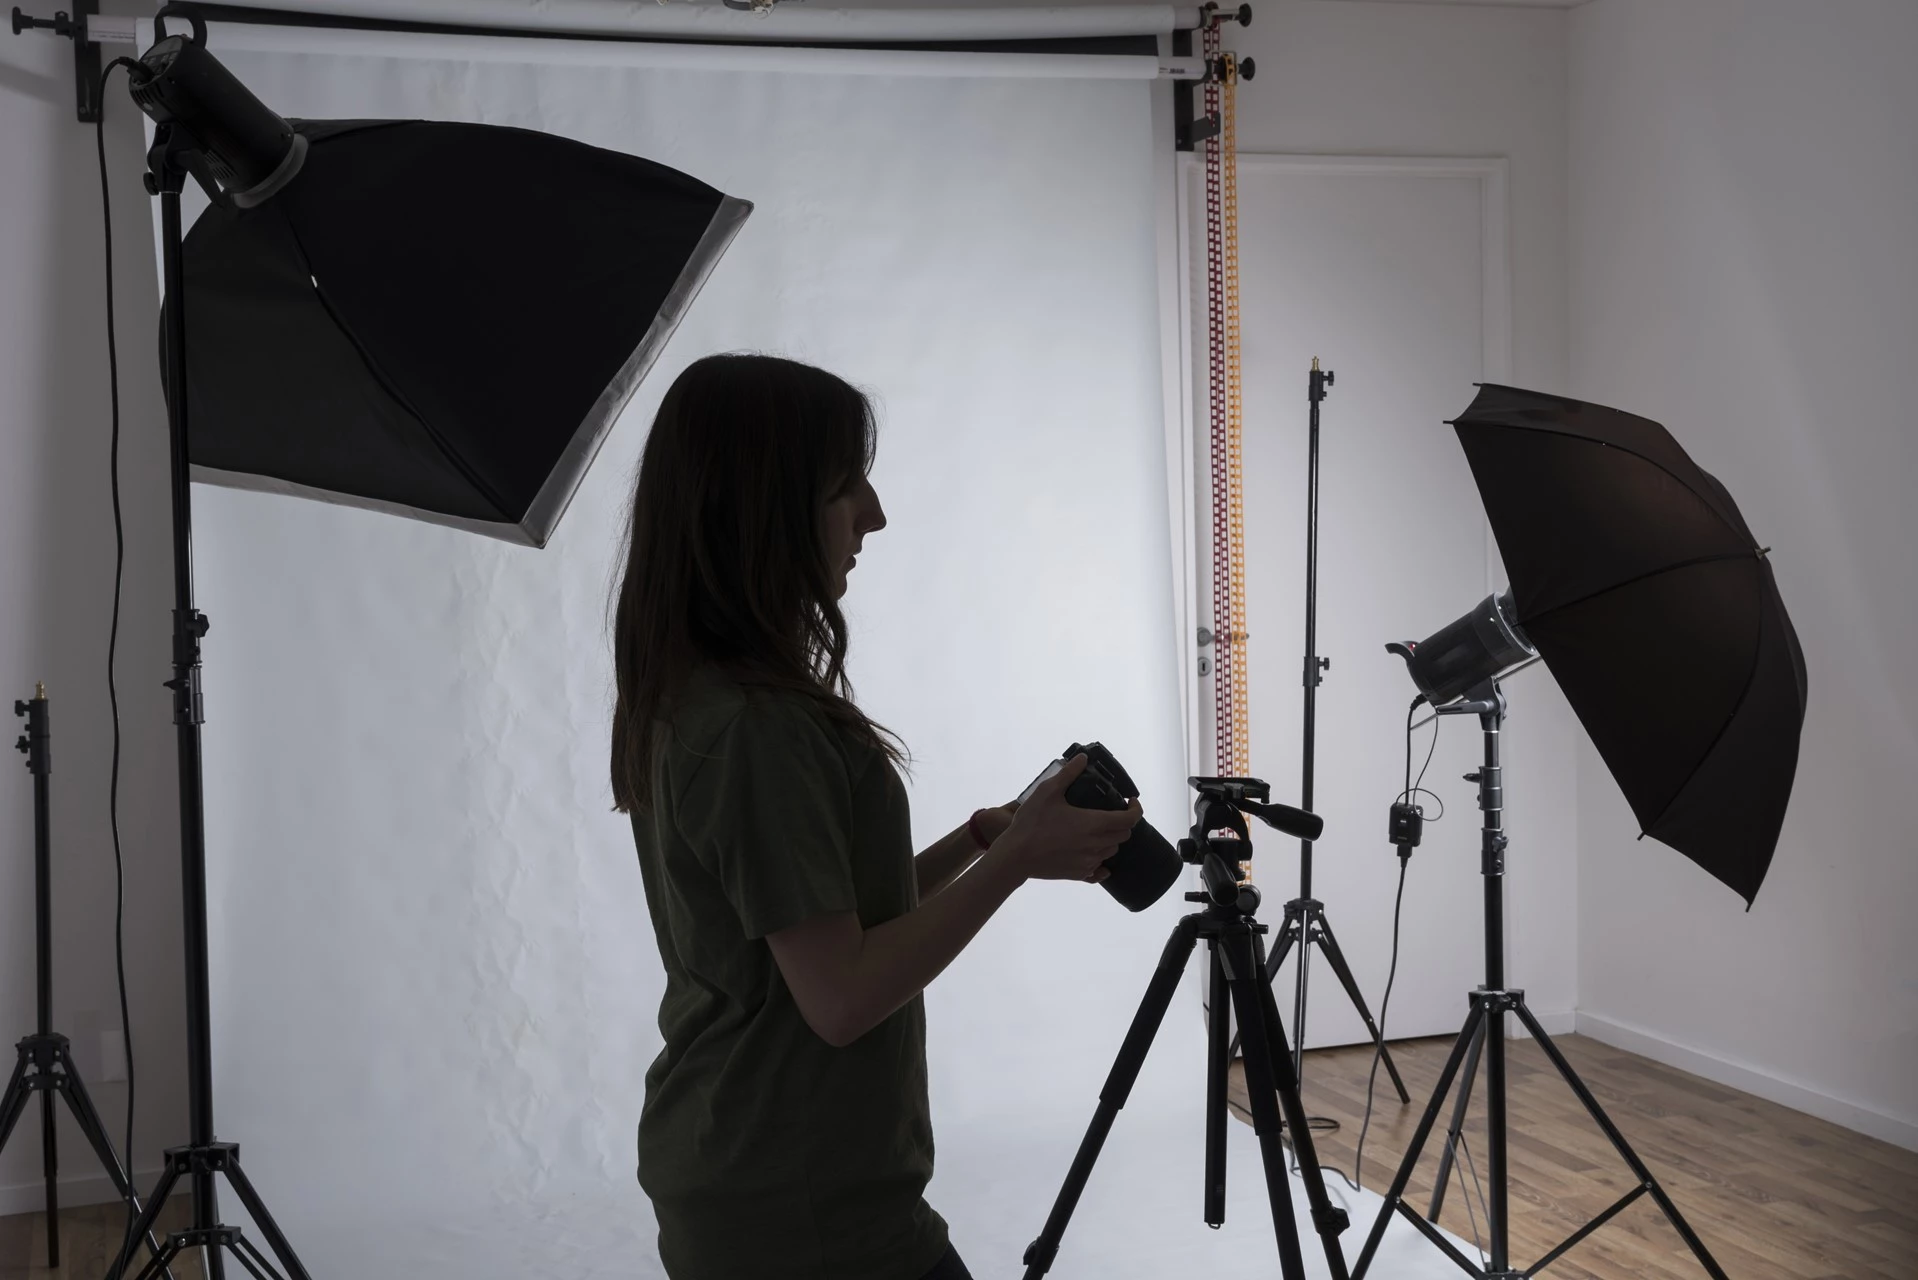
{"x":438,"y":320}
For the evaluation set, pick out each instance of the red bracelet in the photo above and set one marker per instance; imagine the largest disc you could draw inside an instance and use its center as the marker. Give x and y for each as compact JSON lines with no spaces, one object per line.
{"x":972,"y":829}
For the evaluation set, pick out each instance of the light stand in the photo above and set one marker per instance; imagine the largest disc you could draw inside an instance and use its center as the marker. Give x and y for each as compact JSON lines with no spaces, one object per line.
{"x":45,"y":1065}
{"x":1236,"y":946}
{"x":1483,"y":1036}
{"x":169,"y":161}
{"x":1305,"y":925}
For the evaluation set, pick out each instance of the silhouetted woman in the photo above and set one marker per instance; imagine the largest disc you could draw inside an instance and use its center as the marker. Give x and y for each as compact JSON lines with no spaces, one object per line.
{"x":786,"y":1131}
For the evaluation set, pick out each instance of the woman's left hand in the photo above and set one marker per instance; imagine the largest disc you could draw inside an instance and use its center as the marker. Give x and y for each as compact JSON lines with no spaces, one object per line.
{"x":992,"y":823}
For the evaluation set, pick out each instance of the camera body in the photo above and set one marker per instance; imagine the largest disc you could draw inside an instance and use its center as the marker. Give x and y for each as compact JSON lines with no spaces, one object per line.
{"x":1146,"y":865}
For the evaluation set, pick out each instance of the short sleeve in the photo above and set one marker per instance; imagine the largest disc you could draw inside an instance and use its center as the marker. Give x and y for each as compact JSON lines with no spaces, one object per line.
{"x":768,"y":812}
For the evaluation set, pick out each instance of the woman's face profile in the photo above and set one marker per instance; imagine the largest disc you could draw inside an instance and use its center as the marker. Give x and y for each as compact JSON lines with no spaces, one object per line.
{"x":846,"y":520}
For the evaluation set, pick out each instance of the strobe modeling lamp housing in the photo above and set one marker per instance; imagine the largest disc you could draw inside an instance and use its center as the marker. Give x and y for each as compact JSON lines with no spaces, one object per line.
{"x":1483,"y":644}
{"x":251,"y":151}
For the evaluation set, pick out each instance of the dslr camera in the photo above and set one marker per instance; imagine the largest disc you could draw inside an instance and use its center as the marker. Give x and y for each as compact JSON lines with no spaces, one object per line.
{"x":1146,"y":865}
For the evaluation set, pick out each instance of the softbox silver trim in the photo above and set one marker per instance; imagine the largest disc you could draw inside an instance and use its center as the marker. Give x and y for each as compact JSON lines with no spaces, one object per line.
{"x":535,"y":529}
{"x":505,"y":530}
{"x":550,"y":503}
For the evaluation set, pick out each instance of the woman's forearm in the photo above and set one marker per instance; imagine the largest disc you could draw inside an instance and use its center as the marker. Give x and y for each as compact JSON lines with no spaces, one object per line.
{"x":897,"y":960}
{"x":944,"y":860}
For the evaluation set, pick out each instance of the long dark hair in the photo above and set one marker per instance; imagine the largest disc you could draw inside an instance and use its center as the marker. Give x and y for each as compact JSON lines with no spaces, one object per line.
{"x":724,"y":561}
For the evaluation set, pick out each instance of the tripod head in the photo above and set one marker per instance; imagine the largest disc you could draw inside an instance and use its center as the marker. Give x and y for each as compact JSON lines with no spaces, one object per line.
{"x":1220,"y":843}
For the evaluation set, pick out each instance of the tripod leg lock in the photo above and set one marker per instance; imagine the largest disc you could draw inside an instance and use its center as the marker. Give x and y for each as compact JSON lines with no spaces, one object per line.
{"x":1041,"y":1255}
{"x":1331,"y":1220}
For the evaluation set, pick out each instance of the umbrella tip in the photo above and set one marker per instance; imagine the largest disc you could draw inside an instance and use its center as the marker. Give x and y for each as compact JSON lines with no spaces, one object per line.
{"x":1763,"y":552}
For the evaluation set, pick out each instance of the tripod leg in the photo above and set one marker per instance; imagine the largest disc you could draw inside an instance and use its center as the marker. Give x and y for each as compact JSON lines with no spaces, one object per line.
{"x":1624,"y":1148}
{"x":1395,"y":1198}
{"x":1261,"y":1085}
{"x":15,"y":1102}
{"x":1125,"y":1071}
{"x":50,"y":1166}
{"x":1282,"y":946}
{"x":1327,"y":1219}
{"x":1308,"y":934}
{"x":1218,"y":1064}
{"x":275,"y":1240}
{"x":143,"y":1228}
{"x":1457,"y":1127}
{"x":206,"y":1212}
{"x":95,"y":1132}
{"x":159,"y":1263}
{"x":1336,"y":959}
{"x":1289,"y":933}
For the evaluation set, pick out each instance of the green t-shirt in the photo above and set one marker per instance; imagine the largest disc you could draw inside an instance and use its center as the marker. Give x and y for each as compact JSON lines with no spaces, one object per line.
{"x":768,"y":1153}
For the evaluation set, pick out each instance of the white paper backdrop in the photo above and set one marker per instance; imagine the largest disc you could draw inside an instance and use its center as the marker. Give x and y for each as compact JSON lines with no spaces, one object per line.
{"x":435,"y":988}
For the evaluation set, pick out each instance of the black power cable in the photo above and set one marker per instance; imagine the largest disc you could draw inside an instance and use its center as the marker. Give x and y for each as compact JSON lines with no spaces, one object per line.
{"x":113,"y":641}
{"x":1412,"y":790}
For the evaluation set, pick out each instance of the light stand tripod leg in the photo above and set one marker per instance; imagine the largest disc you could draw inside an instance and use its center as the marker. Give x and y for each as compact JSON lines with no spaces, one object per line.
{"x":1307,"y":935}
{"x":1327,"y":1219}
{"x":1218,"y":1066}
{"x":1261,"y":1086}
{"x":95,"y":1132}
{"x":1395,"y":1197}
{"x":1457,"y":1127}
{"x":1617,"y":1139}
{"x":15,"y":1101}
{"x":270,"y":1229}
{"x":1289,"y":933}
{"x":1336,"y":958}
{"x":158,"y":1264}
{"x":50,"y":1167}
{"x":1041,"y":1252}
{"x":144,"y":1226}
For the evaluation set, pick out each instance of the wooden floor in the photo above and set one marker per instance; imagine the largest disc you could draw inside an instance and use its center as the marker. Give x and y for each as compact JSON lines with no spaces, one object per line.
{"x":89,"y":1239}
{"x":1775,"y":1194}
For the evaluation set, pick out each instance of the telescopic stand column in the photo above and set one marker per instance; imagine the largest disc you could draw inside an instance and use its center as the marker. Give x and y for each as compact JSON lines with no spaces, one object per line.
{"x":202,"y":1158}
{"x":45,"y":1065}
{"x":1305,"y":925}
{"x":1483,"y":1037}
{"x":1235,"y":944}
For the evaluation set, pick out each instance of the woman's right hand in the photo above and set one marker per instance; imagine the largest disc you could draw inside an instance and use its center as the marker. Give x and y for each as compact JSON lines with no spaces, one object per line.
{"x":1052,"y":839}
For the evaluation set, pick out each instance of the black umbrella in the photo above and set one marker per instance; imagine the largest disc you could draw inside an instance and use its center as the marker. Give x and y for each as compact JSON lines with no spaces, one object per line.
{"x":1635,"y":575}
{"x":438,"y":320}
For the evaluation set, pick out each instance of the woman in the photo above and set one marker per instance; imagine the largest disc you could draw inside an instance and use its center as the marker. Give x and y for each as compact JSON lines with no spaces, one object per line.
{"x":786,"y":1131}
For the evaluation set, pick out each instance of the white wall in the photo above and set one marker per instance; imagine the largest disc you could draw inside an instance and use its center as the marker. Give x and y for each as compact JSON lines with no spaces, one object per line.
{"x":1745,"y":269}
{"x":1354,"y":78}
{"x":56,"y":580}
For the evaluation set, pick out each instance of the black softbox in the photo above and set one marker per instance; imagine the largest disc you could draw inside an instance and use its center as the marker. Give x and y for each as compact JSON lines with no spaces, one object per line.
{"x":440,"y":321}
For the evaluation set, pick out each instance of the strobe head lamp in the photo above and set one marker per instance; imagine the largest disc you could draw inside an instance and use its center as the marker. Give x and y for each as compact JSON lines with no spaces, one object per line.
{"x":1484,"y":644}
{"x":242,"y":145}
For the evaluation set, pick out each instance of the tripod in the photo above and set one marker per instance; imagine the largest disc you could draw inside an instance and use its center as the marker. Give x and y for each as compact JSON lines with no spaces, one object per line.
{"x":1235,"y":944}
{"x":1483,"y":1037}
{"x":1305,"y":925}
{"x":202,"y":1158}
{"x":45,"y":1065}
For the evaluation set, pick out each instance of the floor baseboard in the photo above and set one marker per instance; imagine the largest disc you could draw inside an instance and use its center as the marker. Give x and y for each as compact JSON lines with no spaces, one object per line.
{"x":97,"y":1188}
{"x":1789,"y":1093}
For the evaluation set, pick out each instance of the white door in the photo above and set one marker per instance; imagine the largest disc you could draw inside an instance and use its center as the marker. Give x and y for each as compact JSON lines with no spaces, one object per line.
{"x":1392,"y":274}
